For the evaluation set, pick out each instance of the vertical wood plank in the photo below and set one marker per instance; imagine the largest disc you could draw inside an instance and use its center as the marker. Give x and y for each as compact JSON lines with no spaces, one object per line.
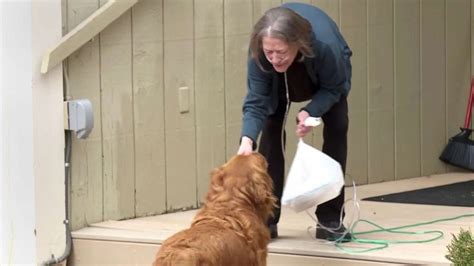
{"x":208,"y":19}
{"x":458,"y":37}
{"x":117,"y":119}
{"x":180,"y":131}
{"x":433,"y":85}
{"x":407,"y":88}
{"x":209,"y":84}
{"x":299,"y":1}
{"x":238,"y":17}
{"x":261,"y":6}
{"x":354,"y":29}
{"x":237,"y":28}
{"x":380,"y":82}
{"x":83,"y":82}
{"x":148,"y":107}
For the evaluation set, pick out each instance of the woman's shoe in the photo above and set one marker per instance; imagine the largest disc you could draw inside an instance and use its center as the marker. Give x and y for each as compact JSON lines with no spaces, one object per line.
{"x":334,"y":234}
{"x":273,"y":228}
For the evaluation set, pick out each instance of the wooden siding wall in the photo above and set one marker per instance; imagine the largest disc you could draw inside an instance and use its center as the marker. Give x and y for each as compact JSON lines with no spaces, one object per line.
{"x":168,"y":77}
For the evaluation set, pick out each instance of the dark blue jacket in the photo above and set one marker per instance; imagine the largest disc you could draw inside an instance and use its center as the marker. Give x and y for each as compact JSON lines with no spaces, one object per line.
{"x":329,"y":71}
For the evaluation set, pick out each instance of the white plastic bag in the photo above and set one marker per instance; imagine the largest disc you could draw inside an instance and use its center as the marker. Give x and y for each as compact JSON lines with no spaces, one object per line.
{"x":314,"y":178}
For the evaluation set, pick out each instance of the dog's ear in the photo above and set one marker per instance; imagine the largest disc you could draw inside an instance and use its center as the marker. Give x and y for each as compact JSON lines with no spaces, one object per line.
{"x":262,"y":185}
{"x":216,"y":185}
{"x":217,"y":177}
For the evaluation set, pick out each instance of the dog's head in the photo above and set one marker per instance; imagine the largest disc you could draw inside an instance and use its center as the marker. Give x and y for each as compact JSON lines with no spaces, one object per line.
{"x":244,"y":179}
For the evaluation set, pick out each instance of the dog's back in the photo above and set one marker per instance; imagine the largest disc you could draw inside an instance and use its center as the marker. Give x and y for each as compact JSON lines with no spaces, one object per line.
{"x":176,"y":251}
{"x":170,"y":257}
{"x":205,"y":244}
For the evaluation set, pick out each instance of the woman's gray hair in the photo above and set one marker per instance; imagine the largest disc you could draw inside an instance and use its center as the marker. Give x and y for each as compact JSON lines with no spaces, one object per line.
{"x":284,"y":24}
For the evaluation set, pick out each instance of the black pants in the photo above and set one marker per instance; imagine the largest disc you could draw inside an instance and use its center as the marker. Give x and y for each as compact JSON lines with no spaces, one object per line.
{"x":272,"y":144}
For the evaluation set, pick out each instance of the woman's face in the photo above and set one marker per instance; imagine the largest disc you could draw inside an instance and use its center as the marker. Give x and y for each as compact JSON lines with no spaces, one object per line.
{"x":279,"y":53}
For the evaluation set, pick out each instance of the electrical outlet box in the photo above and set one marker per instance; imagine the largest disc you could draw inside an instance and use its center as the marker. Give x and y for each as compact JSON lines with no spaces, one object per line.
{"x":79,"y":117}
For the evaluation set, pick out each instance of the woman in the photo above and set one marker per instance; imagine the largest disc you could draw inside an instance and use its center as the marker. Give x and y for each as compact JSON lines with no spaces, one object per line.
{"x":296,"y":54}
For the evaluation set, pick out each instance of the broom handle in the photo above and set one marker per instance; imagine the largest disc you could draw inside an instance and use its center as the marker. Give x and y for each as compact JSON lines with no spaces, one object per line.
{"x":467,"y":121}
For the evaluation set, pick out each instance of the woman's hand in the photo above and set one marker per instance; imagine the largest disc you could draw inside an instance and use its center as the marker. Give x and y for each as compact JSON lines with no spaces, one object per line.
{"x":301,"y":129}
{"x":246,"y":146}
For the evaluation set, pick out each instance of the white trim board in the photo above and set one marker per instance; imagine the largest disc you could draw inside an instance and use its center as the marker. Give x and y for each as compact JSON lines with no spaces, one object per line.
{"x":84,"y":32}
{"x":17,"y":184}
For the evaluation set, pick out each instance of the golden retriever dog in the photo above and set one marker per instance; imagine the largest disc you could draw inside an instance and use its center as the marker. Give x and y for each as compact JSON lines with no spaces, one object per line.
{"x":230,"y":229}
